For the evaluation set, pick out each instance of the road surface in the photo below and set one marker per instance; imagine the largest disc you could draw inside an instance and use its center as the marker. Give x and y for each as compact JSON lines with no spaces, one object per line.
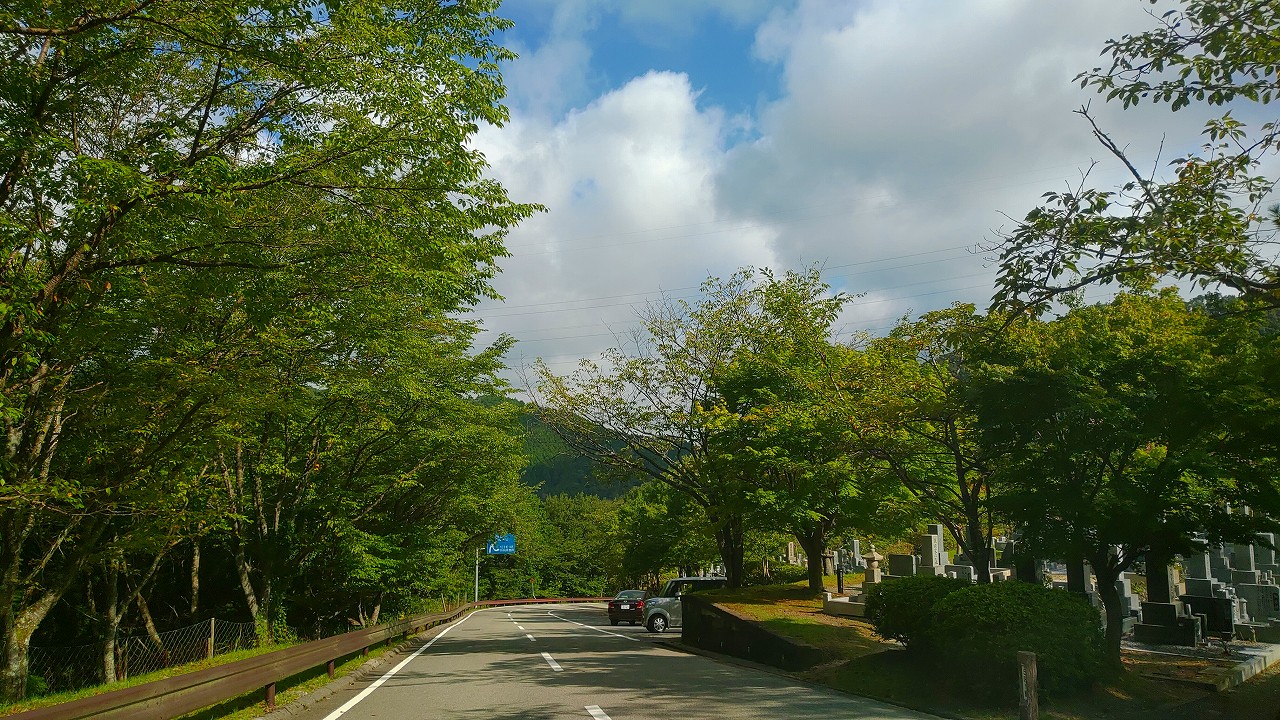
{"x":566,"y":661}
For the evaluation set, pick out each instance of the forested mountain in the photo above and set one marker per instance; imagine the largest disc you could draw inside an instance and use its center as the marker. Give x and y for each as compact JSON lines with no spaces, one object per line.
{"x":555,"y":469}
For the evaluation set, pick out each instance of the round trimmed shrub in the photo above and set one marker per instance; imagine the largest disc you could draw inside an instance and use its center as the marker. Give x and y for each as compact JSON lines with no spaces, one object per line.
{"x":977,"y":632}
{"x":902,"y":608}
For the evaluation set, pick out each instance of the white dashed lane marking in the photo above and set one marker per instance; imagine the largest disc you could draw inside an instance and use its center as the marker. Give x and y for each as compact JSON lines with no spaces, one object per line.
{"x":551,"y":661}
{"x":597,"y":713}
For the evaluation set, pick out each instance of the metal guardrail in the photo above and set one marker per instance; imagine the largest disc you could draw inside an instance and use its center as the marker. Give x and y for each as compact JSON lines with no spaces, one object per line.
{"x":181,"y":694}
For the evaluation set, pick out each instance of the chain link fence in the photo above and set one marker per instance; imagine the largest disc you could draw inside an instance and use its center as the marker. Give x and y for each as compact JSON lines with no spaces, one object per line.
{"x":72,"y":668}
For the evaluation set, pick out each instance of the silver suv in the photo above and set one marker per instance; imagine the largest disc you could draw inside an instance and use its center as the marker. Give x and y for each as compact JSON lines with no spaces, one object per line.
{"x":663,"y":610}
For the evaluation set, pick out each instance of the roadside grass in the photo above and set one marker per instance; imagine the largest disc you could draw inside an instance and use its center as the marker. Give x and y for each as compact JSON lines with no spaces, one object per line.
{"x":863,"y":664}
{"x":253,"y":705}
{"x":62,"y":697}
{"x":244,"y":707}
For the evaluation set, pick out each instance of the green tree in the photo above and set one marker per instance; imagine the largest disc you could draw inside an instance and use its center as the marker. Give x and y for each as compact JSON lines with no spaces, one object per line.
{"x":249,"y":164}
{"x":908,"y":403}
{"x":660,"y":531}
{"x":781,"y":425}
{"x":647,"y":411}
{"x":1114,"y":421}
{"x":1207,"y":223}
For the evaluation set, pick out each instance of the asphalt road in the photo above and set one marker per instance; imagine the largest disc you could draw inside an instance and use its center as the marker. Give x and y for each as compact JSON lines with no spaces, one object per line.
{"x":566,"y":661}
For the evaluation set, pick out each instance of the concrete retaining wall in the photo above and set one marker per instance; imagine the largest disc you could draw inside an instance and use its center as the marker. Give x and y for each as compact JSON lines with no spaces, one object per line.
{"x":711,"y":627}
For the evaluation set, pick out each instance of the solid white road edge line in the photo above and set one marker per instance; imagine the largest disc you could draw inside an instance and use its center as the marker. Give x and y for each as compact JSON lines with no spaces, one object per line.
{"x":378,"y":683}
{"x":593,"y":627}
{"x":554,"y":665}
{"x":597,"y":713}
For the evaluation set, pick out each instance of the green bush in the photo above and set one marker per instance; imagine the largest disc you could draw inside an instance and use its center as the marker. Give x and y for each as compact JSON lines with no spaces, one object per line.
{"x":779,"y":574}
{"x":36,"y":686}
{"x":902,"y":608}
{"x":977,"y":632}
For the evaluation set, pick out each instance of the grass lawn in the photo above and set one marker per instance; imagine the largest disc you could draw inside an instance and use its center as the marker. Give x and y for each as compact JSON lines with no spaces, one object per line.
{"x":863,"y":664}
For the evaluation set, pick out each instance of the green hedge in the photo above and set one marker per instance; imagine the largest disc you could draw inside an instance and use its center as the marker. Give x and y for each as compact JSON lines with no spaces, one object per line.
{"x":779,"y":574}
{"x":977,"y":632}
{"x":902,"y":608}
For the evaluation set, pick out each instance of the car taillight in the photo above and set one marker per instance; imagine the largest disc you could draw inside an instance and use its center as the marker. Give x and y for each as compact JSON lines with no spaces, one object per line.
{"x":640,"y":605}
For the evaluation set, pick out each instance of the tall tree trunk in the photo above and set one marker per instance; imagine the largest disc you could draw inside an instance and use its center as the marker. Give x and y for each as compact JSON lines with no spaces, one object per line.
{"x":195,"y":576}
{"x":21,"y":615}
{"x":149,"y":623}
{"x":729,"y":542}
{"x":814,"y":543}
{"x":246,"y":583}
{"x":1110,"y":595}
{"x":111,"y":616}
{"x":18,"y":628}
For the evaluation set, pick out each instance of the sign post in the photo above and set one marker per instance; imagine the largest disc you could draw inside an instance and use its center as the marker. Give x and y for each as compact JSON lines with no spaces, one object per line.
{"x":499,"y":545}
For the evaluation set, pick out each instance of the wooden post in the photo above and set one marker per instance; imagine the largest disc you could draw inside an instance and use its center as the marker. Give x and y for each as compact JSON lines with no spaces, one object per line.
{"x":271,"y":697}
{"x":1028,"y":698}
{"x":211,"y":636}
{"x":329,"y":667}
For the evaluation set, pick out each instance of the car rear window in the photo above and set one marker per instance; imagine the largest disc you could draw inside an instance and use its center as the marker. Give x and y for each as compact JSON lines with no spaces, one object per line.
{"x":631,"y":594}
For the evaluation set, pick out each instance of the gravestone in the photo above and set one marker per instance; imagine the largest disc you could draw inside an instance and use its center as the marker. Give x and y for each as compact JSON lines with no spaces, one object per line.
{"x":855,"y":554}
{"x":959,"y":571}
{"x":928,"y":547}
{"x":1198,"y":565}
{"x":1262,"y":599}
{"x":902,"y":565}
{"x":791,"y":554}
{"x":1203,"y":587}
{"x":1165,"y":619}
{"x":935,"y":529}
{"x":1162,"y":580}
{"x":1008,"y":554}
{"x":1220,"y":563}
{"x":1267,"y":558}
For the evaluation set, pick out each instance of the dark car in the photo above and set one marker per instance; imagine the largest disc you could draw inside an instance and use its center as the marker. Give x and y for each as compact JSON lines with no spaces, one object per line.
{"x":629,"y":606}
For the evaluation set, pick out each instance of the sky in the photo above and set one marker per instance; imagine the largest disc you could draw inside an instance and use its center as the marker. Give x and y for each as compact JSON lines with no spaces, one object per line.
{"x":885,"y":141}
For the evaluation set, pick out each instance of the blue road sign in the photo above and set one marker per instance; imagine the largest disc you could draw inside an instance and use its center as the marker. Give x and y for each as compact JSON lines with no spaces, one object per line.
{"x":501,"y":545}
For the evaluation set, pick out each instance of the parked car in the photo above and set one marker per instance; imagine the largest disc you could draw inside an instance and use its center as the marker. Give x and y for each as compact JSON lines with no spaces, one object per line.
{"x":663,"y":610}
{"x":629,"y":606}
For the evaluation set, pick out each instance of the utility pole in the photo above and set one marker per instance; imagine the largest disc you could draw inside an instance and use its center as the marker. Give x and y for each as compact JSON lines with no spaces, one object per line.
{"x":477,"y":574}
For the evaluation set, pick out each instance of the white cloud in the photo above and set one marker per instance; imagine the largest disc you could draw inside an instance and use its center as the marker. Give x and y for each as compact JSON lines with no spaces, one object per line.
{"x":629,"y":183}
{"x":917,"y":124}
{"x":903,"y":133}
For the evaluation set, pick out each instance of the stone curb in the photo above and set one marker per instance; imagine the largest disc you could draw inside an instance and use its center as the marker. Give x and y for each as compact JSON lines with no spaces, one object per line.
{"x":1260,"y":661}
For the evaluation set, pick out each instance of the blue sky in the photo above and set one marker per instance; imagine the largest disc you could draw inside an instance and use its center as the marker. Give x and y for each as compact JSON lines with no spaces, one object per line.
{"x":887,"y":141}
{"x":715,"y":51}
